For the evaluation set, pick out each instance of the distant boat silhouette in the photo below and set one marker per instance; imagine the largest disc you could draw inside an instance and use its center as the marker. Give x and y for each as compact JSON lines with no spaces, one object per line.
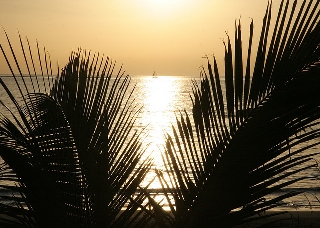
{"x":154,"y":75}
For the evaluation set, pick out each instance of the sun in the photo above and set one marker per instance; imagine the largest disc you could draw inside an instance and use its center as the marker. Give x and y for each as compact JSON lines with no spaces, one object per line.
{"x":162,"y":3}
{"x":164,"y":8}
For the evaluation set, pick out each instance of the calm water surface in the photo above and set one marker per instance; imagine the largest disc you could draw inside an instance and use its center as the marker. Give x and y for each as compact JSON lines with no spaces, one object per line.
{"x":163,"y":98}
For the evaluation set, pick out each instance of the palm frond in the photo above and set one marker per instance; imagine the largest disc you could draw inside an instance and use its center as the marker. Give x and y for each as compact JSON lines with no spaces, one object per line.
{"x":101,"y":118}
{"x":71,"y":141}
{"x":233,"y":152}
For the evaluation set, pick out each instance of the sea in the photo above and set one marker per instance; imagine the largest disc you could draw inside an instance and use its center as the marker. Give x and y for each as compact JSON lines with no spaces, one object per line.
{"x":163,"y":99}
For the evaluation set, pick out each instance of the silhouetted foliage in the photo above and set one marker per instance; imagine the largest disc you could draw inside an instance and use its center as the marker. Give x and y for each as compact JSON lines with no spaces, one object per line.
{"x":72,"y":152}
{"x":71,"y":157}
{"x":233,"y":151}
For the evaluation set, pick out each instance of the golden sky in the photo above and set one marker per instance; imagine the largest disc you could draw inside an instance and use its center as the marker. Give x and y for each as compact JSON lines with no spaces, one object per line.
{"x":168,"y":36}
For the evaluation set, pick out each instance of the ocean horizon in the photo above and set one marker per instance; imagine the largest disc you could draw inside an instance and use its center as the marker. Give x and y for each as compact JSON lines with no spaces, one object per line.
{"x":163,"y":99}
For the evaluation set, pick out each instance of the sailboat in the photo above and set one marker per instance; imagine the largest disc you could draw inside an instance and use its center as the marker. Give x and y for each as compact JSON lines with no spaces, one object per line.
{"x":154,"y":75}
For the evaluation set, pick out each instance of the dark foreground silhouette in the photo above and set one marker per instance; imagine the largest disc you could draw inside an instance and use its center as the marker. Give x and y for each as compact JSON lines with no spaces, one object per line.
{"x":71,"y":157}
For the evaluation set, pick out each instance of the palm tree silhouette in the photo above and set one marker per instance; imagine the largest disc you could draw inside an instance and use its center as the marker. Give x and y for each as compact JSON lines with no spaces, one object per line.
{"x":233,"y":151}
{"x":70,"y":154}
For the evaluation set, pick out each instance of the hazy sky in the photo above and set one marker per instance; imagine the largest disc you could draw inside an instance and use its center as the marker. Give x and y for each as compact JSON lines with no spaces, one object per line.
{"x":168,"y":36}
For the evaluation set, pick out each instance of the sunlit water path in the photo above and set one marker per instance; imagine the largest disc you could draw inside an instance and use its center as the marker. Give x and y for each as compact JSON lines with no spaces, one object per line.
{"x":162,"y":99}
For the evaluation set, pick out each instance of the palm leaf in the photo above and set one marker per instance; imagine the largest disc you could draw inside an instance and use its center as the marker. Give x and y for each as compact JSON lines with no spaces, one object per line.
{"x":103,"y":130}
{"x":73,"y":148}
{"x":223,"y":165}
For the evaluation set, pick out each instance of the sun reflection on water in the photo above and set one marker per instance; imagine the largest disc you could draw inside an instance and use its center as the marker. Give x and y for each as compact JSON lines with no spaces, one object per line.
{"x":158,"y":96}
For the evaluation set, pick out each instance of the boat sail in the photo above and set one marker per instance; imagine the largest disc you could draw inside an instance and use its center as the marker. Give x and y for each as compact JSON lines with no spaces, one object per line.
{"x":154,"y":75}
